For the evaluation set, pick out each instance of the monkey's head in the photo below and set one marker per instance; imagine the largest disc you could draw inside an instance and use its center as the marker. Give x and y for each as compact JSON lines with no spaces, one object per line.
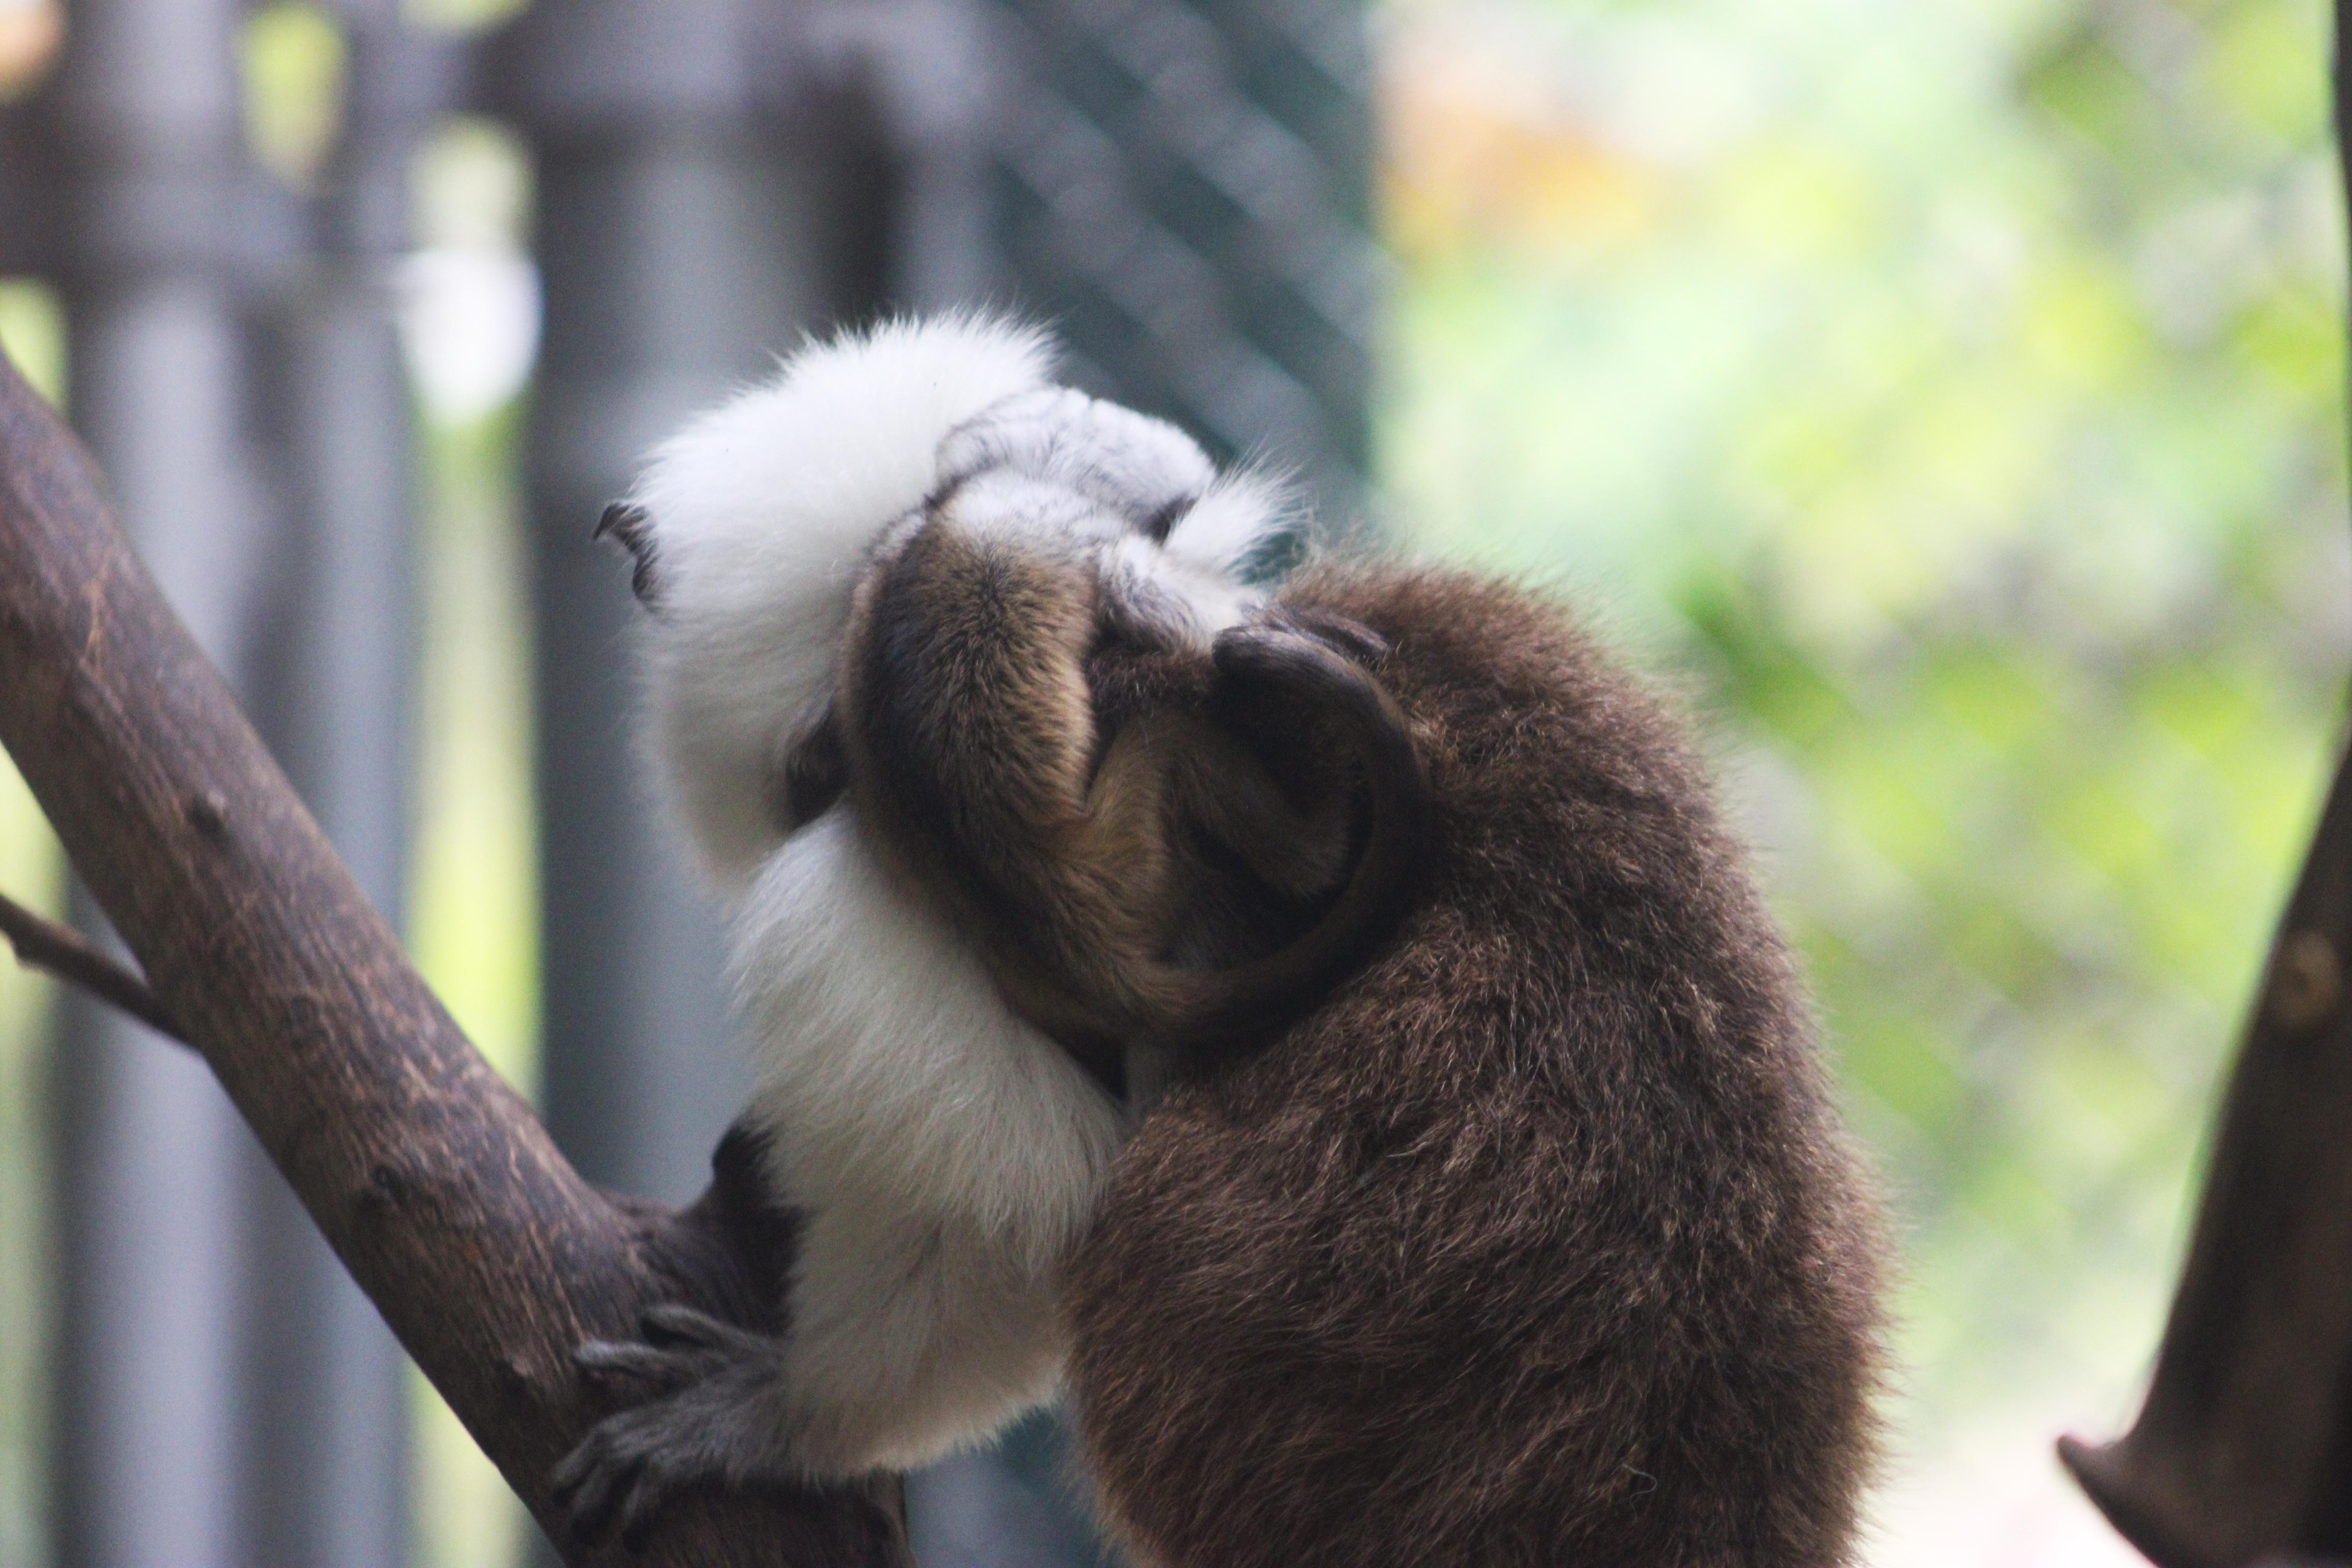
{"x":753,"y":527}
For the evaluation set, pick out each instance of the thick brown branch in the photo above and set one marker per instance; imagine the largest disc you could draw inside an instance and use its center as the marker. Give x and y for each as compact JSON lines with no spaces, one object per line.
{"x":487,"y":1254}
{"x":2240,"y":1453}
{"x":65,"y":953}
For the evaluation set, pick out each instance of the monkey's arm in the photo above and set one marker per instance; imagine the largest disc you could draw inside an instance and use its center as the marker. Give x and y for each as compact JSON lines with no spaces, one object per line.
{"x":971,"y":739}
{"x":971,"y":728}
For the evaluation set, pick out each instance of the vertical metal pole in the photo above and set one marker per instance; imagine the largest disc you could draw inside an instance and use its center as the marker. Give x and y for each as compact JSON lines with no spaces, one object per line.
{"x":145,"y":113}
{"x":29,"y":186}
{"x":689,"y":225}
{"x":325,"y":1441}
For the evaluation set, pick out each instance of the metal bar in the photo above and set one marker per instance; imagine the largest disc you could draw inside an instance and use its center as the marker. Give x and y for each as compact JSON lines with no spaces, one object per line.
{"x":696,"y":212}
{"x":324,"y":1443}
{"x":690,"y":221}
{"x":144,"y":115}
{"x":28,"y":192}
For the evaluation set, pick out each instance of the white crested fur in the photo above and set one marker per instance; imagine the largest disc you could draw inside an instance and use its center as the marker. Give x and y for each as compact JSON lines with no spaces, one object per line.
{"x":891,"y":1059}
{"x":1124,"y":463}
{"x":1056,"y":472}
{"x":762,"y":512}
{"x":943,"y":1153}
{"x":1237,"y":514}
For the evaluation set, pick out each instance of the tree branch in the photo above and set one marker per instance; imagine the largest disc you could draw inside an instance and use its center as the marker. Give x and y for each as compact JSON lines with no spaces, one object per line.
{"x":65,"y":953}
{"x":487,"y":1254}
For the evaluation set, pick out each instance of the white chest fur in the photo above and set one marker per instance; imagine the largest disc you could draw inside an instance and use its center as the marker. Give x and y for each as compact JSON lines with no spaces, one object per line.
{"x":943,"y":1153}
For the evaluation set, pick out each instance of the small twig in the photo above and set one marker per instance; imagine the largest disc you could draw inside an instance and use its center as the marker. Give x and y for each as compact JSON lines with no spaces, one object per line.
{"x":65,"y":953}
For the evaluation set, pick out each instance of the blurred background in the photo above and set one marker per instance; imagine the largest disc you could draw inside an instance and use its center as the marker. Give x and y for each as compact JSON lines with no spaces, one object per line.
{"x":1945,"y":398}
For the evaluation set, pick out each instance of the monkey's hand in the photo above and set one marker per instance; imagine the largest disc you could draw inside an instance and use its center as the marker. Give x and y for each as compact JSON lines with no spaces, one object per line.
{"x":1351,"y":639}
{"x":714,"y":1418}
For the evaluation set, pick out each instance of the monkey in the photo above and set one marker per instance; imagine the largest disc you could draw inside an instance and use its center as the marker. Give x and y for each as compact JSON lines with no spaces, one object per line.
{"x":1538,"y":1239}
{"x":1535,"y":1240}
{"x":1518,"y":1227}
{"x":933,"y":1144}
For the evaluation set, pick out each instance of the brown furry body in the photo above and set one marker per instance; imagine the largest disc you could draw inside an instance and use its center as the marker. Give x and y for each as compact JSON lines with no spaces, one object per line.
{"x":1538,"y":1242}
{"x":1535,"y":1240}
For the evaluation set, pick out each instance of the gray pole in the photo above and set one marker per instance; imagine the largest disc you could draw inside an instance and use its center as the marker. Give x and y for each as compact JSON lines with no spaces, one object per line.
{"x":28,"y":189}
{"x":686,"y":229}
{"x":325,"y":1436}
{"x":145,"y":114}
{"x":225,"y":1395}
{"x":693,"y":219}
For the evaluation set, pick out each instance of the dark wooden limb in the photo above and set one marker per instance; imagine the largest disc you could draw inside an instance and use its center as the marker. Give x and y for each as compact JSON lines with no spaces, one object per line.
{"x":2243,"y":1450}
{"x":487,"y":1254}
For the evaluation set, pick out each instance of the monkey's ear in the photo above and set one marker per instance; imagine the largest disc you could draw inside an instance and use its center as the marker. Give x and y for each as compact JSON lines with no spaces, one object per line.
{"x":632,"y":527}
{"x":815,"y":772}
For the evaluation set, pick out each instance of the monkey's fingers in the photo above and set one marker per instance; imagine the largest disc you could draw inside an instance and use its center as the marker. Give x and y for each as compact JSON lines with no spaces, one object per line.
{"x":592,"y":1483}
{"x":627,"y":1361}
{"x":1344,"y":635}
{"x":674,"y":1326}
{"x":1222,"y":1010}
{"x":631,"y":1464}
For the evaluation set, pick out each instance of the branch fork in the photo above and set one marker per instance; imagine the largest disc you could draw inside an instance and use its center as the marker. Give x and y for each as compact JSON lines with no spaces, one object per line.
{"x":488,"y":1256}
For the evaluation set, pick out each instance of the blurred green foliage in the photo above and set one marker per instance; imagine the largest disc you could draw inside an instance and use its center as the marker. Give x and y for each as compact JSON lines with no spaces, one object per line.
{"x":292,"y":62}
{"x":1949,"y":399}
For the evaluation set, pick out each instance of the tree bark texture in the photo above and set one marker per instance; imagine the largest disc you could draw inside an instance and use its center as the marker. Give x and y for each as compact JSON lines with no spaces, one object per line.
{"x":2242,"y":1451}
{"x":487,"y":1254}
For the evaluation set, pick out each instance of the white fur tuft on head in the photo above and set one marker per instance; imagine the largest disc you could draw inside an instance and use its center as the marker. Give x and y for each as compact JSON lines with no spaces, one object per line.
{"x":758,"y":516}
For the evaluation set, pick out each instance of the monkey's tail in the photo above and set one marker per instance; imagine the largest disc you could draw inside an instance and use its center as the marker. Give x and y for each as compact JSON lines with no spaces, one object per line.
{"x":1223,"y":1013}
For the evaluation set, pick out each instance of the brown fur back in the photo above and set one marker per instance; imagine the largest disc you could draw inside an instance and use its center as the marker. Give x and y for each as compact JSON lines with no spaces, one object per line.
{"x":1539,"y":1242}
